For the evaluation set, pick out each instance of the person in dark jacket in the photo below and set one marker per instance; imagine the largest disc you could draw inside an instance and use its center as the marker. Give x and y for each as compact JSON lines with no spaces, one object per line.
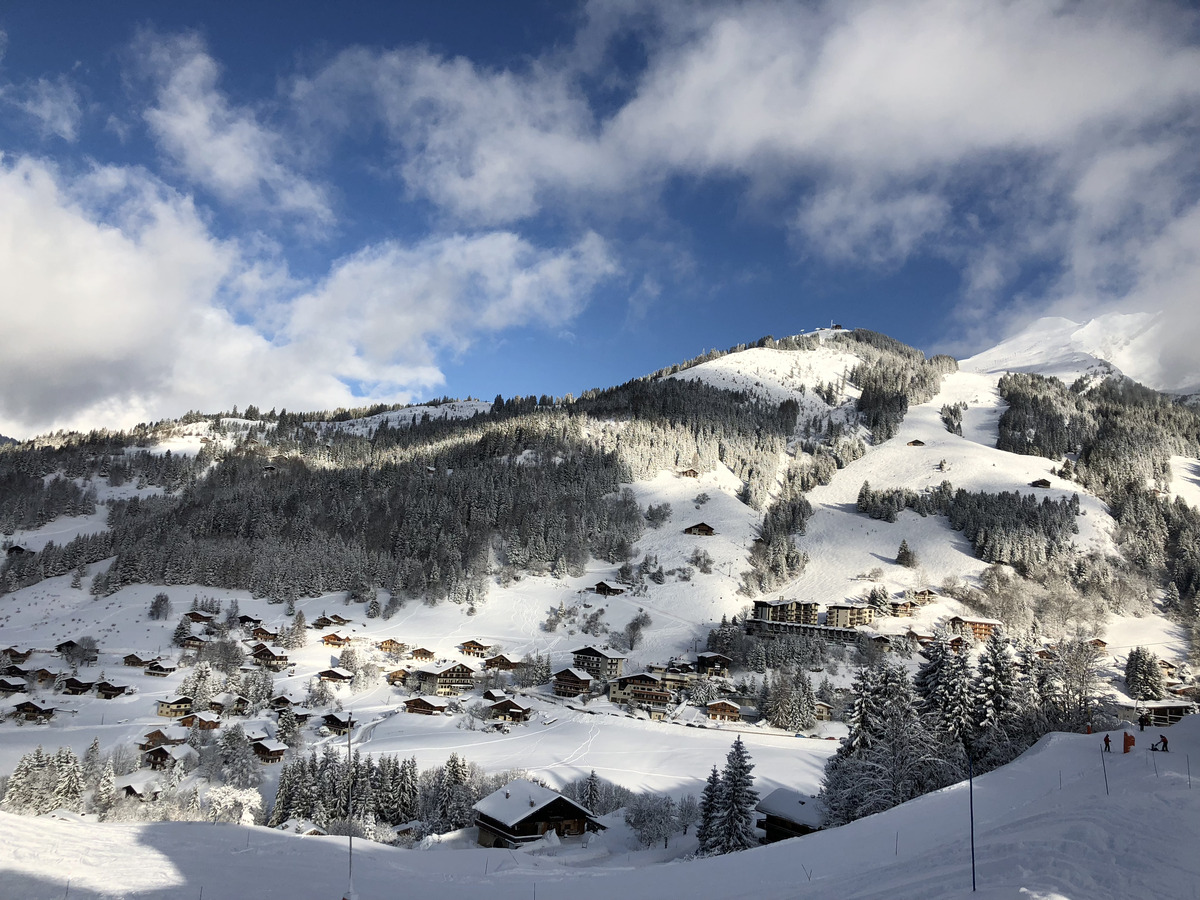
{"x":1107,"y":742}
{"x":1143,"y":721}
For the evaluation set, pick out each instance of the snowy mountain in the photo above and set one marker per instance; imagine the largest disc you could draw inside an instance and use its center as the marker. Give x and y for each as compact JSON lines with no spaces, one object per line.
{"x":795,"y":431}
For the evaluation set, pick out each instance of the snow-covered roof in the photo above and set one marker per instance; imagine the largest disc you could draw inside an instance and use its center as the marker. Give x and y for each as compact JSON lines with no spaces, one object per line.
{"x":439,"y":702}
{"x":578,"y":674}
{"x":596,"y":651}
{"x":793,"y":806}
{"x":271,"y":746}
{"x":517,"y":800}
{"x":339,"y":672}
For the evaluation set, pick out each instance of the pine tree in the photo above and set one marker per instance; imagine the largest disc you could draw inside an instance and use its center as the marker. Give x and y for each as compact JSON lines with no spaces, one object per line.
{"x":68,"y":788}
{"x":710,"y":797}
{"x":91,"y":763}
{"x":996,"y":688}
{"x":905,"y":556}
{"x":590,"y":795}
{"x":106,"y":789}
{"x":182,"y":632}
{"x":733,"y":820}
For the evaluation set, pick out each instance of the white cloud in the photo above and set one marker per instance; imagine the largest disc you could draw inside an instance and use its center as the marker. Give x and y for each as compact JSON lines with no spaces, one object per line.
{"x":120,"y":306}
{"x":53,"y":103}
{"x":221,"y":146}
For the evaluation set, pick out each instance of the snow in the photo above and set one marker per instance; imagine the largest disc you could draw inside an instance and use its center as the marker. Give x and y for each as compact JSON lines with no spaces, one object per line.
{"x":515,"y":801}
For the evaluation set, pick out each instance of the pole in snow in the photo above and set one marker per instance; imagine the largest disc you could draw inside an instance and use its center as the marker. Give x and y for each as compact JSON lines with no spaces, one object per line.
{"x":1104,"y":766}
{"x":971,"y":795}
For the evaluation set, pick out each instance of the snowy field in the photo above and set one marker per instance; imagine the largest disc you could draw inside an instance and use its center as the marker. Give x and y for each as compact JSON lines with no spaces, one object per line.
{"x":1046,"y":828}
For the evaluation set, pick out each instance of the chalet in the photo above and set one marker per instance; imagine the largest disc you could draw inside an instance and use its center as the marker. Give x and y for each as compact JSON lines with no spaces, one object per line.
{"x":604,"y":589}
{"x":788,"y":814}
{"x":521,"y":812}
{"x":1040,"y":483}
{"x":571,"y":683}
{"x":137,"y":662}
{"x":302,"y":827}
{"x":723,"y":711}
{"x":1098,"y":644}
{"x":260,"y":633}
{"x":802,"y":612}
{"x":849,"y":615}
{"x":73,"y":687}
{"x":248,"y":621}
{"x":13,"y":671}
{"x":980,"y":629}
{"x":336,"y":675}
{"x":447,"y":679}
{"x":41,"y":675}
{"x":391,"y":645}
{"x":339,"y":620}
{"x":10,"y":686}
{"x":206,"y":720}
{"x":641,"y":687}
{"x":269,"y":751}
{"x":474,"y":648}
{"x":321,"y":622}
{"x":501,"y":663}
{"x":140,"y":785}
{"x":199,"y":618}
{"x":959,"y":644}
{"x":193,"y":642}
{"x":923,"y":596}
{"x":916,"y":442}
{"x":338,"y":723}
{"x":598,"y":663}
{"x":302,"y":713}
{"x":703,"y":529}
{"x":175,"y":707}
{"x":270,"y":657}
{"x":168,"y":735}
{"x":715,"y":664}
{"x":676,"y":674}
{"x":333,"y":639}
{"x":426,"y":706}
{"x":228,"y":703}
{"x":919,"y":636}
{"x":494,"y":695}
{"x":823,"y":711}
{"x":902,"y":607}
{"x":280,"y":702}
{"x":688,"y":473}
{"x":16,"y":550}
{"x":397,"y":676}
{"x":164,"y":757}
{"x":1160,"y":712}
{"x":421,"y":654}
{"x":161,"y":668}
{"x":16,"y":656}
{"x":33,"y":712}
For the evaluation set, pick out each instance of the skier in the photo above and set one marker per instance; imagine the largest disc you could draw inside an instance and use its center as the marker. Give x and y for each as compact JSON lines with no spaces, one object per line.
{"x":1107,"y":748}
{"x":1143,"y":721}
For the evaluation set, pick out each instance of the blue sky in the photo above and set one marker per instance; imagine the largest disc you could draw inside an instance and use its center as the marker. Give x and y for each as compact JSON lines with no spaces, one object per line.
{"x":310,"y":206}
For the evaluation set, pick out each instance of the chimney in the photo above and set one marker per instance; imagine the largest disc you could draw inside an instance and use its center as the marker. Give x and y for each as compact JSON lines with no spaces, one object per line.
{"x":506,"y":793}
{"x":531,"y":803}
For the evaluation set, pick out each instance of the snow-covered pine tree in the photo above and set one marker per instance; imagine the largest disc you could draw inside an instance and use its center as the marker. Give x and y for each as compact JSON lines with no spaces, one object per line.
{"x":706,"y":830}
{"x":733,"y":819}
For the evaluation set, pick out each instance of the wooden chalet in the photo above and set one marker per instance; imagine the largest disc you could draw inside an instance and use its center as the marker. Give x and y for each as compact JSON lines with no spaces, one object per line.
{"x":33,"y":712}
{"x":140,"y":785}
{"x":228,"y":703}
{"x":823,"y":711}
{"x":447,"y":679}
{"x":397,"y":676}
{"x":723,"y":711}
{"x":501,"y":663}
{"x":421,"y":654}
{"x":90,"y":654}
{"x":248,"y":621}
{"x":339,"y":620}
{"x":980,"y":629}
{"x":199,"y":618}
{"x":902,"y":607}
{"x":571,"y":682}
{"x":788,"y":814}
{"x":321,"y":622}
{"x":73,"y":687}
{"x":205,"y":720}
{"x":16,"y":550}
{"x":194,"y":642}
{"x":107,"y":690}
{"x":174,"y":707}
{"x":338,"y":723}
{"x":700,"y":529}
{"x":604,"y":589}
{"x":475,"y":649}
{"x":391,"y":645}
{"x":137,"y":662}
{"x":10,"y":686}
{"x":42,"y":675}
{"x":16,"y":656}
{"x":164,"y":757}
{"x":426,"y":706}
{"x":261,"y":633}
{"x":916,"y":442}
{"x":521,"y":812}
{"x":270,"y":657}
{"x":168,"y":735}
{"x":269,"y":751}
{"x":688,"y":473}
{"x":336,"y":675}
{"x":598,"y":663}
{"x":1040,"y":483}
{"x":333,"y":639}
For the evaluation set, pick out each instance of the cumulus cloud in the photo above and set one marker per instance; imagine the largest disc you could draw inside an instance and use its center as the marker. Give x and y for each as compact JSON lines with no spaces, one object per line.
{"x":1000,"y":136}
{"x":219,"y":145}
{"x":121,"y":306}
